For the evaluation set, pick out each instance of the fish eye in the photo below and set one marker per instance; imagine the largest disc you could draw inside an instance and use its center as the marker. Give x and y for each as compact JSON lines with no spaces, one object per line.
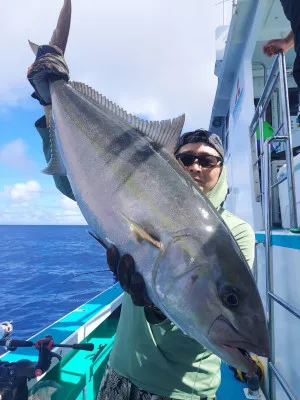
{"x":230,"y":295}
{"x":231,"y":300}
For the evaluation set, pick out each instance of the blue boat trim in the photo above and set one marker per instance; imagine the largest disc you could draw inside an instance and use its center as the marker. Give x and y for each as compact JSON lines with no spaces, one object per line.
{"x":281,"y":239}
{"x":67,"y":325}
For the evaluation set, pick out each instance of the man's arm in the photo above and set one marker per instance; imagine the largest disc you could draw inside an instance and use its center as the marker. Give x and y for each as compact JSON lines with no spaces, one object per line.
{"x":245,"y":238}
{"x":133,"y":283}
{"x":49,"y":63}
{"x":61,"y":182}
{"x":274,"y":46}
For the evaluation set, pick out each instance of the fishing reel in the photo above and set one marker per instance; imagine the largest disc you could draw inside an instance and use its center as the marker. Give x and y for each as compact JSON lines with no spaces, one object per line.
{"x":6,"y":329}
{"x":15,"y":375}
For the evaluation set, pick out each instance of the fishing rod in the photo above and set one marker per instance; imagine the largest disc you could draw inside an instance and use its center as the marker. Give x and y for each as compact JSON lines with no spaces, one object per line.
{"x":15,"y":375}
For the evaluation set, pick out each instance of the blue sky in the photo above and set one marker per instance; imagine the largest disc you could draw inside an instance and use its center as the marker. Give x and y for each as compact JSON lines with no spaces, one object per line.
{"x":152,"y":58}
{"x":27,"y":196}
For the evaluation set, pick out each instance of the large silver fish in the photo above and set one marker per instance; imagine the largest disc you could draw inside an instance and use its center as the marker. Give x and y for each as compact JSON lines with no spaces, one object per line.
{"x":134,"y":194}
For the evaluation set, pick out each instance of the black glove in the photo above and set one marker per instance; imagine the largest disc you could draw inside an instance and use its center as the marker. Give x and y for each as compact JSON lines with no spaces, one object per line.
{"x":49,"y":63}
{"x":133,"y":283}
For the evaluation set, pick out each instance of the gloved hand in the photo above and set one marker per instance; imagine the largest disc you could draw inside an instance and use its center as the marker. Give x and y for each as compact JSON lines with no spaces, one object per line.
{"x":49,"y":63}
{"x":133,"y":283}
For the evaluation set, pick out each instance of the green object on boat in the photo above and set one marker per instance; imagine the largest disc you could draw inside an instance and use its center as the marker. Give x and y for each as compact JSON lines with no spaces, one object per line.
{"x":267,"y":130}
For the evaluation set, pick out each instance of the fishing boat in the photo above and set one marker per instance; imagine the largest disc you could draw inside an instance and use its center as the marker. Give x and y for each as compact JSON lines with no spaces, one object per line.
{"x":255,"y":113}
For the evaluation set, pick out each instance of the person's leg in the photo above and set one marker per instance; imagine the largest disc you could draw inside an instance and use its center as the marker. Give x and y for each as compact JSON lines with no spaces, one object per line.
{"x":138,"y":394}
{"x":296,"y":74}
{"x":114,"y":386}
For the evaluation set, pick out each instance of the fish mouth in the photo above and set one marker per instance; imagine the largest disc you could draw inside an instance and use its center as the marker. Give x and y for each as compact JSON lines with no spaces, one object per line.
{"x":246,"y":348}
{"x":243,"y":357}
{"x":233,"y":346}
{"x":238,"y":355}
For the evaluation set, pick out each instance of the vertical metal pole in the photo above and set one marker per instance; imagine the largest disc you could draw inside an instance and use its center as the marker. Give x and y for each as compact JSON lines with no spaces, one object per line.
{"x":269,"y":270}
{"x":289,"y":146}
{"x":254,"y":269}
{"x":261,"y":150}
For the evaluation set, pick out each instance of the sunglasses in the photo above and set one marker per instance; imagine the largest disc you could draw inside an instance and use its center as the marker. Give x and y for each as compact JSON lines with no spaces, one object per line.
{"x":205,"y":160}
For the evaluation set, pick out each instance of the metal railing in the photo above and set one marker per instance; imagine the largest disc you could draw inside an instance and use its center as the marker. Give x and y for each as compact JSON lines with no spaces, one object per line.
{"x":263,"y":67}
{"x":278,"y":71}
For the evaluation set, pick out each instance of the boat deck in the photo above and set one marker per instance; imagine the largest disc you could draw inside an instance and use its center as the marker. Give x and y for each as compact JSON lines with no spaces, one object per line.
{"x":80,"y":372}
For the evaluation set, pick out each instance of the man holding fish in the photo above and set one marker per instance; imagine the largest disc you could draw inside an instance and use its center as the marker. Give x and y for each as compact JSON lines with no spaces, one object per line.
{"x":190,"y":254}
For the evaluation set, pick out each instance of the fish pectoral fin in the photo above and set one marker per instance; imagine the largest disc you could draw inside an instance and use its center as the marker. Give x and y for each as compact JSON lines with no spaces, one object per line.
{"x":141,"y":234}
{"x":55,"y":165}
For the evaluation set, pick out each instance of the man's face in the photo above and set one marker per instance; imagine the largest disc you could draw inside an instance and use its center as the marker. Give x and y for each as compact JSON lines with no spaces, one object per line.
{"x":205,"y":177}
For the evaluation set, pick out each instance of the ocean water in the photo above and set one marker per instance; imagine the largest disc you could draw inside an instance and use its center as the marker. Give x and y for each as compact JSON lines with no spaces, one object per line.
{"x":38,"y":265}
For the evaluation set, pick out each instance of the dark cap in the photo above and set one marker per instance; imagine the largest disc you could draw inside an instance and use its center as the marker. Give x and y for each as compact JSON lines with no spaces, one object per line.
{"x":201,"y":136}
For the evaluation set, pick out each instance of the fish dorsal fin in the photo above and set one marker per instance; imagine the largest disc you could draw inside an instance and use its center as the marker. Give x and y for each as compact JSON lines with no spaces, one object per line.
{"x":163,"y":133}
{"x":55,"y":165}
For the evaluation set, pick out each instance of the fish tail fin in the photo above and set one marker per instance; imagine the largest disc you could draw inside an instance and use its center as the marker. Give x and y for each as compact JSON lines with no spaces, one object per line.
{"x":61,"y":33}
{"x":34,"y":47}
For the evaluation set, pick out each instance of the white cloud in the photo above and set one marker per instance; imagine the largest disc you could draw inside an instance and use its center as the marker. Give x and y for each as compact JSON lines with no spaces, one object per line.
{"x":21,"y":191}
{"x":25,"y":191}
{"x":152,"y":57}
{"x":27,"y":203}
{"x":14,"y":155}
{"x":68,"y":217}
{"x":70,"y":211}
{"x":68,"y":204}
